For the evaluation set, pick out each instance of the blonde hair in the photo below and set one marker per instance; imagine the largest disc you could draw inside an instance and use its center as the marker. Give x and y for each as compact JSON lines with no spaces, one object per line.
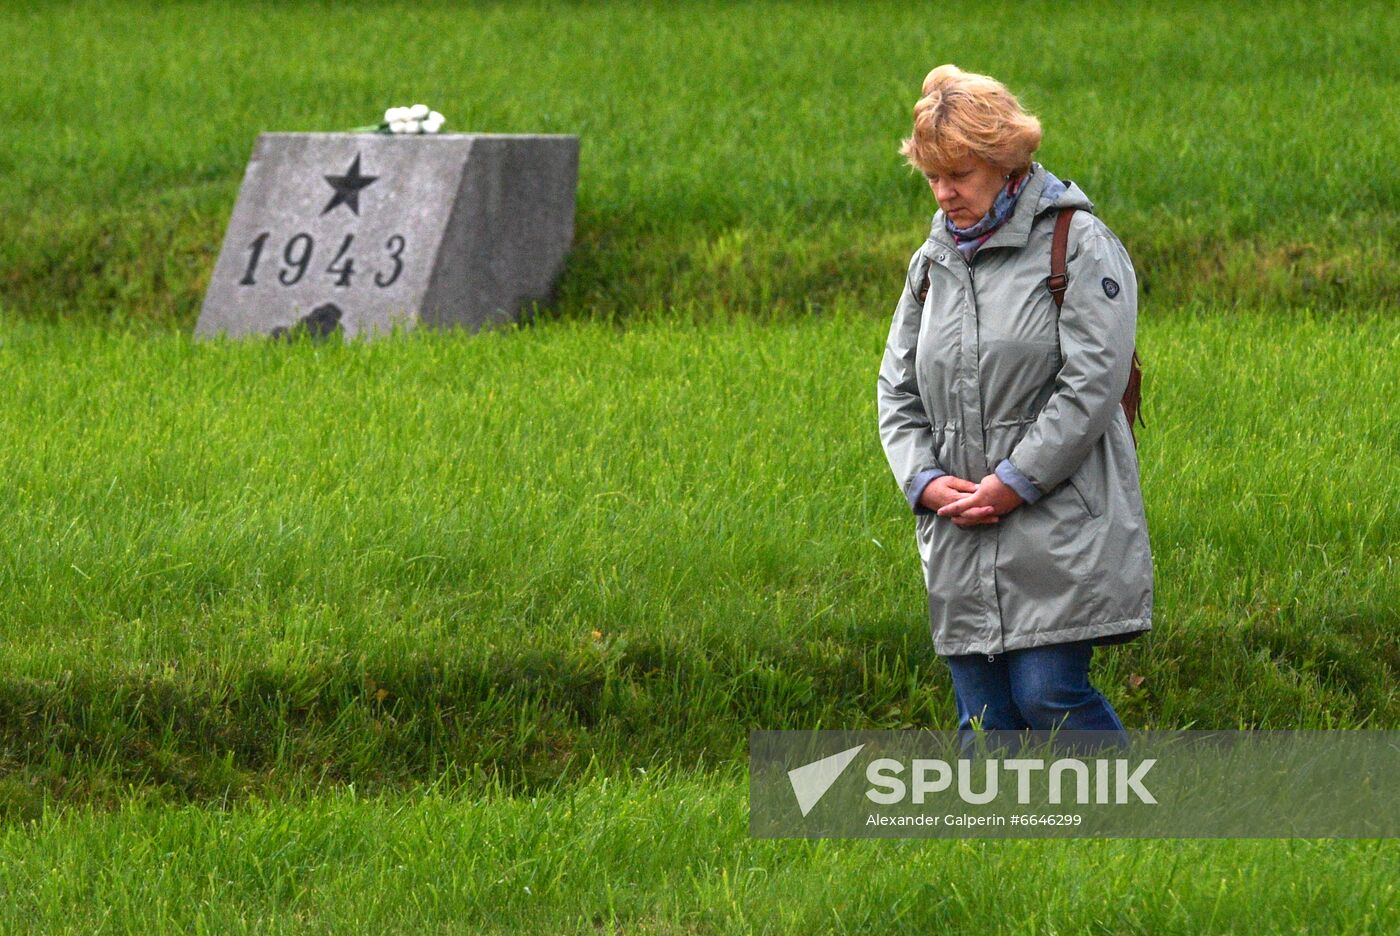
{"x":962,"y":113}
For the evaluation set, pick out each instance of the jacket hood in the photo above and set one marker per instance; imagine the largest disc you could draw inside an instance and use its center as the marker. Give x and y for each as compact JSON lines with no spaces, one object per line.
{"x":1043,"y":192}
{"x":1057,"y":194}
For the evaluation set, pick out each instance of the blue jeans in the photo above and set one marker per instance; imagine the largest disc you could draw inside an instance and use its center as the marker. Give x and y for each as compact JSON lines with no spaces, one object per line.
{"x":1040,"y":688}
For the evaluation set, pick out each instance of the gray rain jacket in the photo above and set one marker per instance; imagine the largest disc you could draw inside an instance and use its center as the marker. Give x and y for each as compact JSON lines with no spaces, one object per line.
{"x":988,"y":376}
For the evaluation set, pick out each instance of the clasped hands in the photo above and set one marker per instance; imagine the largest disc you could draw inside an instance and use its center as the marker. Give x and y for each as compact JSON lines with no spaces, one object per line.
{"x":967,"y":503}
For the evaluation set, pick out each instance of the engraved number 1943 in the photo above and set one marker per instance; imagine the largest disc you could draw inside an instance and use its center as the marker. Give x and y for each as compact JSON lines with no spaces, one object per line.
{"x":296,"y":259}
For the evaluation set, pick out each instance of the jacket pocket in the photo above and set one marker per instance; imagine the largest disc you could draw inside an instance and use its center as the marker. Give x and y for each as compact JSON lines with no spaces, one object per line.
{"x":1085,"y":490}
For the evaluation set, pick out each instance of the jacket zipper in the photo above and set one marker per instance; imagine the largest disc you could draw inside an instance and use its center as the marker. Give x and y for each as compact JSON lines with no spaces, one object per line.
{"x":972,"y":280}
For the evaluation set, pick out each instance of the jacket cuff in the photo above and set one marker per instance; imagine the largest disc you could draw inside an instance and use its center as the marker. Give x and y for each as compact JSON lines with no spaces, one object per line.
{"x":916,"y":489}
{"x":1012,"y":477}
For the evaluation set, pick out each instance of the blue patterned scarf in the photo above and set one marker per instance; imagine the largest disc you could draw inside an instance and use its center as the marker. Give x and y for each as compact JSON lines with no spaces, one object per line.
{"x":969,"y":239}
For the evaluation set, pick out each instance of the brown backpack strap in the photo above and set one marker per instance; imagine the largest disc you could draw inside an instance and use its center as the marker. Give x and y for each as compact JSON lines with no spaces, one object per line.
{"x":1132,"y":397}
{"x":1059,"y":279}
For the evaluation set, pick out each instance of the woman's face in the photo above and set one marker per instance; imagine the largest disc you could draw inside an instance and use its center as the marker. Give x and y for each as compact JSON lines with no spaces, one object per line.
{"x":967,"y":190}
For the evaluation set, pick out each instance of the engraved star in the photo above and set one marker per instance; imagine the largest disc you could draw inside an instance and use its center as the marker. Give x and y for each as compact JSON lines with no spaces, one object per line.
{"x":347,"y":187}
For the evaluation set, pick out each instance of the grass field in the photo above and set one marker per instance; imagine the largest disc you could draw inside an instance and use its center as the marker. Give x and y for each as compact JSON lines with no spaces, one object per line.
{"x":374,"y":562}
{"x":655,"y":853}
{"x":456,"y":632}
{"x":736,"y":158}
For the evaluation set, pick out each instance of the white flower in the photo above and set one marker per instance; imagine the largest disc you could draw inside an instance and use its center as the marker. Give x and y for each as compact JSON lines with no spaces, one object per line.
{"x":415,"y":119}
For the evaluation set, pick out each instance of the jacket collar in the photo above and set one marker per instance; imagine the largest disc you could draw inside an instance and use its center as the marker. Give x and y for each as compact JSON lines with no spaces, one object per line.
{"x":1015,"y":231}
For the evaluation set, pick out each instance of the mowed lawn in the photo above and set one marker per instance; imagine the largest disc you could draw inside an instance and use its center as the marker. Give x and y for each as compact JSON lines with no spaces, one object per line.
{"x":467,"y":633}
{"x":736,"y":159}
{"x":652,"y":853}
{"x":525,"y":564}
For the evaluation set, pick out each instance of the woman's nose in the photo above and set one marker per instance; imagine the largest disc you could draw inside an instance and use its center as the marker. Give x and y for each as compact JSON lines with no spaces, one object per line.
{"x":943,"y":191}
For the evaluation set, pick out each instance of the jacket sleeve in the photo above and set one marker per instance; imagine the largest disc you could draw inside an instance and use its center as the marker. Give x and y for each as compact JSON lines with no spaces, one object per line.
{"x":905,"y":428}
{"x":1098,"y":329}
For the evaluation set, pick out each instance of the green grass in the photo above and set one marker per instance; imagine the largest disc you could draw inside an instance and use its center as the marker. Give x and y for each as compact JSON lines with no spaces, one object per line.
{"x":385,"y":562}
{"x":658,"y":852}
{"x":735,"y":159}
{"x":321,"y":637}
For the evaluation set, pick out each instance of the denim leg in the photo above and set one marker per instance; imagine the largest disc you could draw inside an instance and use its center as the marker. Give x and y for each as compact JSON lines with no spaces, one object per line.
{"x":982,"y":689}
{"x":1050,"y":687}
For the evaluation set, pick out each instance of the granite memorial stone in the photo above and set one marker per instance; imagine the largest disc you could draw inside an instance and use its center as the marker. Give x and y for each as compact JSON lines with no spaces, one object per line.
{"x":352,"y":233}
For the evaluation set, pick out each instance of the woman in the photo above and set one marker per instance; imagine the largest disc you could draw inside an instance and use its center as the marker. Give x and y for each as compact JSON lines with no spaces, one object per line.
{"x":1000,"y":416}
